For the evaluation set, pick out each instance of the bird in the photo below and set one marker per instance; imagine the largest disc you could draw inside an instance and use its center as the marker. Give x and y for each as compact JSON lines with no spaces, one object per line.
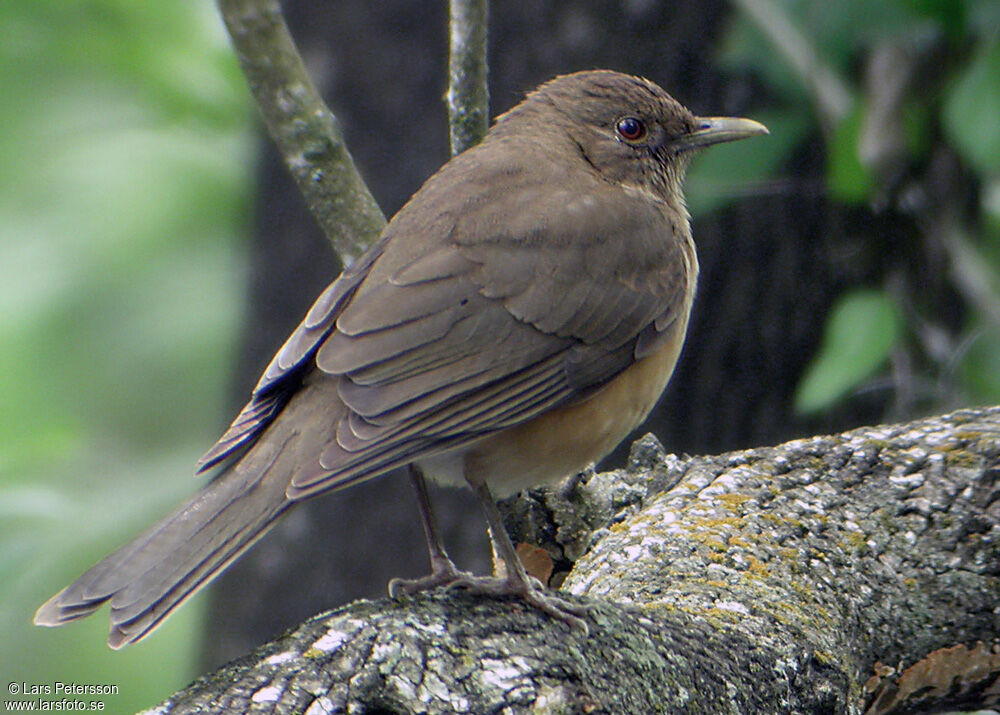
{"x":516,"y":319}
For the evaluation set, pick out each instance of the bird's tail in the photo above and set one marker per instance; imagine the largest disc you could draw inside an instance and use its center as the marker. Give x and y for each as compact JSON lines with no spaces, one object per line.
{"x":148,"y":578}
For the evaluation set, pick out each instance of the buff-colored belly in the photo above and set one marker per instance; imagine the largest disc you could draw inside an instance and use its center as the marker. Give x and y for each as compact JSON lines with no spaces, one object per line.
{"x":567,"y":439}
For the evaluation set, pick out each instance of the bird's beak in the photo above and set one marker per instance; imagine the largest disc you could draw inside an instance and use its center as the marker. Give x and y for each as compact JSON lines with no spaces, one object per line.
{"x":716,"y":130}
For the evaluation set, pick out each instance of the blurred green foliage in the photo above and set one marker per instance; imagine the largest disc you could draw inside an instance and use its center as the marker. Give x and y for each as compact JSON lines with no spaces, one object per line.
{"x":898,"y":93}
{"x":860,"y":335}
{"x":125,"y":171}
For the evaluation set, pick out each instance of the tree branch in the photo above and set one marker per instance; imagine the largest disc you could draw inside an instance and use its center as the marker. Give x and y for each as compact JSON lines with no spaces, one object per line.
{"x":302,"y":126}
{"x":468,"y":97}
{"x":768,"y":580}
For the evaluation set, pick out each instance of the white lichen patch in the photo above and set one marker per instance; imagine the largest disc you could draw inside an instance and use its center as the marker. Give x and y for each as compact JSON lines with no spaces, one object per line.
{"x":806,"y":507}
{"x":908,"y":481}
{"x":279,"y":658}
{"x":502,"y":674}
{"x":270,"y":694}
{"x":633,"y":552}
{"x":727,"y":482}
{"x":433,"y":689}
{"x":880,"y":435}
{"x":581,"y":587}
{"x":406,"y":688}
{"x":433,"y":629}
{"x":386,"y":650}
{"x":734,"y":606}
{"x":331,"y":640}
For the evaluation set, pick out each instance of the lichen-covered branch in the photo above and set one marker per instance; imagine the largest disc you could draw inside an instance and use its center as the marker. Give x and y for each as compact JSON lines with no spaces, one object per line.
{"x":768,"y":580}
{"x":302,"y":126}
{"x":468,"y":97}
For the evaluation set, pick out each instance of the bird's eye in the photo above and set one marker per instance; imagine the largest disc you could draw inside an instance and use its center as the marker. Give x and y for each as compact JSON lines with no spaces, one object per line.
{"x":630,"y":129}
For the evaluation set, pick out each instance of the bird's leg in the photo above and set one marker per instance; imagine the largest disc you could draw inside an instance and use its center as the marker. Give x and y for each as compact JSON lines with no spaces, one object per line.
{"x":515,"y":581}
{"x":512,"y":580}
{"x":443,"y":569}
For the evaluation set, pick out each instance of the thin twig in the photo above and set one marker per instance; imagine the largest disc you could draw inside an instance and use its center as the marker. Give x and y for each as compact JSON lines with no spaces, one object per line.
{"x":971,"y":274}
{"x":302,"y":126}
{"x":832,"y":96}
{"x":468,"y":98}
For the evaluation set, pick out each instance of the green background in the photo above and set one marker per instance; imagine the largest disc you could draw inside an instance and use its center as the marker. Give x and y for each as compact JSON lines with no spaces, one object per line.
{"x":125,"y":176}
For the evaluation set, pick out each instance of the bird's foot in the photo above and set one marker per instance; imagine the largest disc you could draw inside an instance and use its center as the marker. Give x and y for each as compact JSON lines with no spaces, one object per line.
{"x":531,"y":591}
{"x":443,"y":573}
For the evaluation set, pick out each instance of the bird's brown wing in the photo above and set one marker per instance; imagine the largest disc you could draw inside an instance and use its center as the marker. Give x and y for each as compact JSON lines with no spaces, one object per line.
{"x":499,"y":319}
{"x":285,"y":372}
{"x":501,"y":322}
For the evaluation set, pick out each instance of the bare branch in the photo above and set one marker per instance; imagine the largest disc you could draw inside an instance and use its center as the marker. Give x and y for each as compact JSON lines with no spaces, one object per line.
{"x":468,"y":98}
{"x":302,"y":126}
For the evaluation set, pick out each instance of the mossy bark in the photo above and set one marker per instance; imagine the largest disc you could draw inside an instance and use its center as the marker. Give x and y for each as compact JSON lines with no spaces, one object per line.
{"x":766,"y":580}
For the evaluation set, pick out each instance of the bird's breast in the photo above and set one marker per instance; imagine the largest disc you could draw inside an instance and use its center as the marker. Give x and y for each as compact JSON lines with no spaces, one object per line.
{"x":566,"y":439}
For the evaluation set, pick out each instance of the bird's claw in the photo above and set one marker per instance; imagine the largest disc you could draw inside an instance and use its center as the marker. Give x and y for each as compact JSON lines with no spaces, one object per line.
{"x":531,"y":592}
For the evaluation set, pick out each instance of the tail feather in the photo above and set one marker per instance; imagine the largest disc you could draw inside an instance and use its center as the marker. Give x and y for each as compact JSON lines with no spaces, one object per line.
{"x":148,"y":578}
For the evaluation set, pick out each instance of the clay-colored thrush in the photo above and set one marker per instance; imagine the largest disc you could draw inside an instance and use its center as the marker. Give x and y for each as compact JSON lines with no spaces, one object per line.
{"x":514,"y":322}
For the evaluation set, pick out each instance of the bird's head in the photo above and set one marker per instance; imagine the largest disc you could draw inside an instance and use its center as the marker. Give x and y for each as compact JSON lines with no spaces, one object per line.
{"x":625,"y":128}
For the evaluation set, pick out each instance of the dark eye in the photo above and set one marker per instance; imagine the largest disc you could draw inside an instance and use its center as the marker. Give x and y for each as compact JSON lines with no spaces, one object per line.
{"x":630,"y":129}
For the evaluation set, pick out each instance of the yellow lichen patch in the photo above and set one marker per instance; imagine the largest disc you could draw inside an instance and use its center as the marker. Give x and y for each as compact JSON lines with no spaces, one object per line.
{"x":962,"y":458}
{"x":722,"y":614}
{"x":856,"y":541}
{"x":803,"y":590}
{"x":756,"y":566}
{"x":714,"y":522}
{"x":824,"y":657}
{"x":710,"y":540}
{"x":732,"y":501}
{"x":715,"y":616}
{"x":964,"y":436}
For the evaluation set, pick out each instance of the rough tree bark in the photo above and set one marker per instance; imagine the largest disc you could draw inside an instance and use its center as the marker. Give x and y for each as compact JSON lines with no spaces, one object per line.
{"x":766,"y":580}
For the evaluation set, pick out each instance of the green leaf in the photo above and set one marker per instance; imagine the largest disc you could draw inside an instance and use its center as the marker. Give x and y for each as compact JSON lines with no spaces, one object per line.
{"x":847,"y":178}
{"x":971,"y":108}
{"x":860,"y":333}
{"x":946,"y":14}
{"x":980,"y":368}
